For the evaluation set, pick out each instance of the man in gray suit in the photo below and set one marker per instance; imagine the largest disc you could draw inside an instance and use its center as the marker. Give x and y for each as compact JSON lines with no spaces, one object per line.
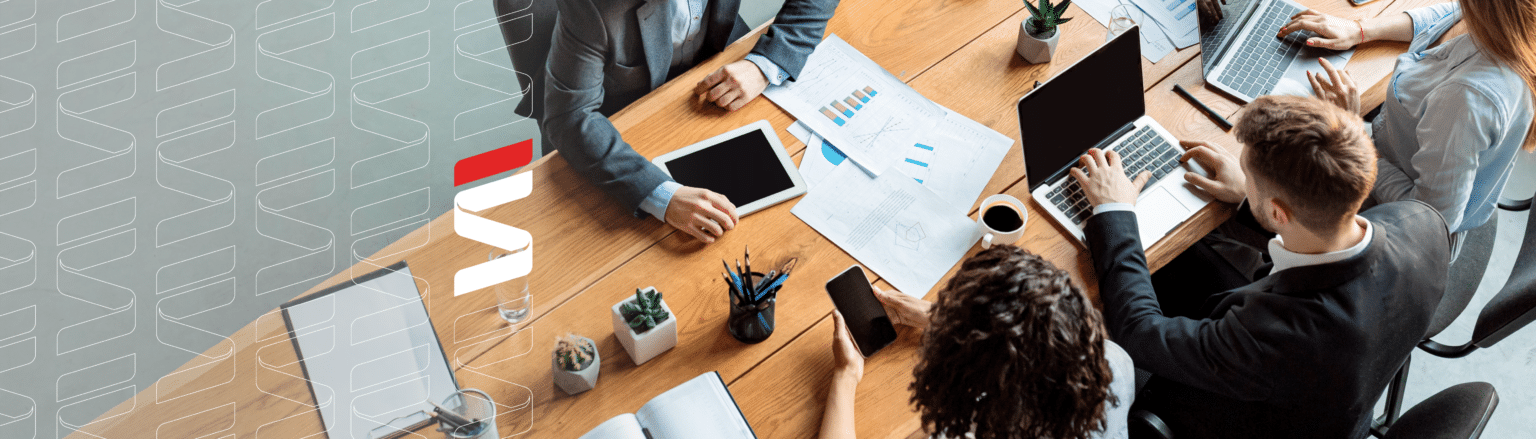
{"x":606,"y":54}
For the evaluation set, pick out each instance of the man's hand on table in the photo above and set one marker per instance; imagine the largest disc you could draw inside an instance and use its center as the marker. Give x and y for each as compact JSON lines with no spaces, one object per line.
{"x":1226,"y":181}
{"x":733,"y":86}
{"x":1102,"y":176}
{"x":701,"y":213}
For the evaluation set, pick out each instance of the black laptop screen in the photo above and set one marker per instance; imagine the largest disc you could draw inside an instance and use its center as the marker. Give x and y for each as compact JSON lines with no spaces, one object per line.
{"x":1081,"y":106}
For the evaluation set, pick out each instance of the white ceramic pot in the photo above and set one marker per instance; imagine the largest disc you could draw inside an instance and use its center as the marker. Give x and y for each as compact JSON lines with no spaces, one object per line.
{"x":574,"y":382}
{"x":644,"y":347}
{"x":1036,"y":50}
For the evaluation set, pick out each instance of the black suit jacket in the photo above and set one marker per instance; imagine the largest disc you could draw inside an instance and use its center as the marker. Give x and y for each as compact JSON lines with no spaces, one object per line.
{"x":606,"y":54}
{"x":1304,"y":352}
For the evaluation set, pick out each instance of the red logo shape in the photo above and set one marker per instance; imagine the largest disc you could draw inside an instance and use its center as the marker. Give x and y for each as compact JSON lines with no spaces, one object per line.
{"x":493,"y":162}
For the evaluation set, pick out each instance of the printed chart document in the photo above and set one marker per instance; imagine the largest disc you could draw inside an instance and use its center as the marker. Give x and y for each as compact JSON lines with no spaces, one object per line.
{"x":891,"y":224}
{"x":701,"y":408}
{"x":857,"y":105}
{"x":955,"y":159}
{"x":1178,"y":19}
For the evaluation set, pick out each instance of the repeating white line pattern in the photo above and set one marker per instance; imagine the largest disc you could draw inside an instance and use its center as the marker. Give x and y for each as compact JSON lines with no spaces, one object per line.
{"x":258,"y":182}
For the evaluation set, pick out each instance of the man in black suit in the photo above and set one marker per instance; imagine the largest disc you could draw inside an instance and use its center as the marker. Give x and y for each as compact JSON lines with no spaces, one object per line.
{"x":1307,"y":348}
{"x":605,"y":54}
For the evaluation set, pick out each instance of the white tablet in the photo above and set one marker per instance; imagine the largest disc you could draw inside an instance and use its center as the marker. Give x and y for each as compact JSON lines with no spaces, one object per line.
{"x":748,"y":165}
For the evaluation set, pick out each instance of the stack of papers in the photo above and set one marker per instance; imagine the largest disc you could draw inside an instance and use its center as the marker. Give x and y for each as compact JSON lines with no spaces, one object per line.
{"x":1166,"y":25}
{"x":892,"y":175}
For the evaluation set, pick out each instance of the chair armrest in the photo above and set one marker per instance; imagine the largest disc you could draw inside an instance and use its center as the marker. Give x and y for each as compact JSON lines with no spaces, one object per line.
{"x":1146,"y":425}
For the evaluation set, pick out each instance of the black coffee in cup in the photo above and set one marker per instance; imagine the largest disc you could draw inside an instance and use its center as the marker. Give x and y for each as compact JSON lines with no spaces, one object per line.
{"x":1002,"y":218}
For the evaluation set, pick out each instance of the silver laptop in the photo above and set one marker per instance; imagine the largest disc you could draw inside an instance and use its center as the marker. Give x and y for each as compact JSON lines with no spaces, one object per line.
{"x":1242,"y":58}
{"x":1098,"y":103}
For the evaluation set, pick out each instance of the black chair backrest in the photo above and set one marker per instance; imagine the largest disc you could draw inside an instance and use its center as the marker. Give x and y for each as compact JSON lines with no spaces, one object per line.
{"x":528,"y":26}
{"x":1460,"y":411}
{"x":1465,"y":276}
{"x":1515,"y":305}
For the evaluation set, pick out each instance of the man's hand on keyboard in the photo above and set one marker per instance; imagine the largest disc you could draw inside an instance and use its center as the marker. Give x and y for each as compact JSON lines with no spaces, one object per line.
{"x":1103,"y":178}
{"x":1226,"y":181}
{"x":1331,"y":32}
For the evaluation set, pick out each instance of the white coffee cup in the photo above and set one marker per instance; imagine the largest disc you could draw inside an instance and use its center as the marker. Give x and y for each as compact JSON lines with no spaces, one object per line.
{"x":1012,"y":214}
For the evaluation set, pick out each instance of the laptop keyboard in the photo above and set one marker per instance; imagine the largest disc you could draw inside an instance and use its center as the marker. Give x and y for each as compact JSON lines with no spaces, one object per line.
{"x":1142,"y":150}
{"x":1259,"y":63}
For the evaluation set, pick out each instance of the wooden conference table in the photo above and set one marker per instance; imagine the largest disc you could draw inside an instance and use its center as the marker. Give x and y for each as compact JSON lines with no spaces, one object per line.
{"x":592,"y":254}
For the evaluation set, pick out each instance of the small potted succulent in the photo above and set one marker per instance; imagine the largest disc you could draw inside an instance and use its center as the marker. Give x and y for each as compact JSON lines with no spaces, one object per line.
{"x":1037,"y":34}
{"x":575,"y":363}
{"x":644,"y":325}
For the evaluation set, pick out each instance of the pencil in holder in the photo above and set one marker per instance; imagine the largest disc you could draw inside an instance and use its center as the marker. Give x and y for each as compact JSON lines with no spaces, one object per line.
{"x":751,"y":320}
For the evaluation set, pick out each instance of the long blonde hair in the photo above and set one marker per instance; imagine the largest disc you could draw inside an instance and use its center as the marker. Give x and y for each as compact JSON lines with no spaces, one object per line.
{"x":1506,"y":30}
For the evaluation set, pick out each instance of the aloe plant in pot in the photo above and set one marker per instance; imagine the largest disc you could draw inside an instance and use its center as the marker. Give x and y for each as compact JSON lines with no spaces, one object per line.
{"x":644,"y":325}
{"x":575,"y":363}
{"x":1038,"y":33}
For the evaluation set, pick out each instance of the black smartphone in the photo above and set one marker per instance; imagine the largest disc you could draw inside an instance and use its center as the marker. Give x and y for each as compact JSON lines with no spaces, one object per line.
{"x":866,"y":319}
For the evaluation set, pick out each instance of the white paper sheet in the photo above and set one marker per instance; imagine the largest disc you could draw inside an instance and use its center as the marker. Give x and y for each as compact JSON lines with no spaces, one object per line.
{"x":848,"y":99}
{"x":370,"y":354}
{"x":1179,"y":19}
{"x":955,"y":159}
{"x":1154,"y":44}
{"x":890,"y":224}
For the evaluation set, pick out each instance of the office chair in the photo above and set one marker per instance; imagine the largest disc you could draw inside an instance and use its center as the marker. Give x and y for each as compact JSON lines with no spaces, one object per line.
{"x":1512,"y":308}
{"x":1460,"y":411}
{"x":528,"y":26}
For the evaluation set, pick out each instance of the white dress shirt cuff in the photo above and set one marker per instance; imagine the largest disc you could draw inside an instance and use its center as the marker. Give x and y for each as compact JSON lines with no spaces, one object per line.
{"x":770,"y":70}
{"x":1112,"y":207}
{"x":656,"y":203}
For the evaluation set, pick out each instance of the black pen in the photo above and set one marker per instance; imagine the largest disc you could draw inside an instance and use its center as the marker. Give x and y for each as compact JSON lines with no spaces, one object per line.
{"x":1225,"y":125}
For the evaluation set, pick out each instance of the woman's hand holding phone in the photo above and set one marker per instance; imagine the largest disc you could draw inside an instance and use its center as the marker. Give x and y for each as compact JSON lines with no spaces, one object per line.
{"x":904,"y":310}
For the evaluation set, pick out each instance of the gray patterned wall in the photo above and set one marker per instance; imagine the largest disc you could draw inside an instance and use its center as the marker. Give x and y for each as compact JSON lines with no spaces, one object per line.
{"x":170,"y":170}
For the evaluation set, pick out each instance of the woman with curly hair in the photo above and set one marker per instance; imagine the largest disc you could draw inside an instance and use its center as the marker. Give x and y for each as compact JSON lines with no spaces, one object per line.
{"x":1012,"y":349}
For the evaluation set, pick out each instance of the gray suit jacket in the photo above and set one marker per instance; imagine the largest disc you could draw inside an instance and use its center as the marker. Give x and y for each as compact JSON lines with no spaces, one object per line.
{"x":608,"y":53}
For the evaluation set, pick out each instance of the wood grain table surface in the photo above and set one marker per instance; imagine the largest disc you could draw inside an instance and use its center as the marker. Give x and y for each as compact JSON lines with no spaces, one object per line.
{"x":592,"y":254}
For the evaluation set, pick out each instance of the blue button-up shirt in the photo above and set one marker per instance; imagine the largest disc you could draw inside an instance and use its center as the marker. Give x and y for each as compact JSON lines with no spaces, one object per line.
{"x":1451,"y":125}
{"x":687,"y":37}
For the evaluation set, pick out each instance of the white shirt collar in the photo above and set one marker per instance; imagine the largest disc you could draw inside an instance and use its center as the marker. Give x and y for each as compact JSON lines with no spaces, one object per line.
{"x":1284,"y":258}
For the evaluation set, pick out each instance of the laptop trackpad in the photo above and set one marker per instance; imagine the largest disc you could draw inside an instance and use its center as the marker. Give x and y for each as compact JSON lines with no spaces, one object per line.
{"x":1157,"y":212}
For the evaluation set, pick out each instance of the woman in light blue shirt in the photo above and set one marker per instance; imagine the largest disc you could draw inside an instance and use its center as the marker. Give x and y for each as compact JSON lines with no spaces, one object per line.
{"x":1456,"y":114}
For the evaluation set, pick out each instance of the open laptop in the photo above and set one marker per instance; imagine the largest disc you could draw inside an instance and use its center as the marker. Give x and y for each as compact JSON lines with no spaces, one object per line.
{"x":1098,"y":103}
{"x":1242,"y":58}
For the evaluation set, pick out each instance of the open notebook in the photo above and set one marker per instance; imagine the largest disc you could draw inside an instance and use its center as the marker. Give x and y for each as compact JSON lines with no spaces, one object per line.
{"x":699,"y":409}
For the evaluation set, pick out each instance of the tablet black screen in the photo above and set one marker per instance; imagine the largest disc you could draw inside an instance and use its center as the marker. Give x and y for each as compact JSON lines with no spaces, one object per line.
{"x":744,"y":169}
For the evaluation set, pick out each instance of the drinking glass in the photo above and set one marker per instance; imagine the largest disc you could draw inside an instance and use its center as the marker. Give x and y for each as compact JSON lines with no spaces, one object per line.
{"x":513,"y":300}
{"x":1122,"y":18}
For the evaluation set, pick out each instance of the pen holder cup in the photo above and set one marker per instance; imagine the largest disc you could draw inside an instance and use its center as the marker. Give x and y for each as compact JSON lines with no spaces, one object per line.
{"x":751,"y":320}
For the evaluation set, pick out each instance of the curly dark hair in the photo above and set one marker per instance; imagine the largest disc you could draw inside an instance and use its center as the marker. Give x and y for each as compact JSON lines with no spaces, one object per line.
{"x":1014,"y":350}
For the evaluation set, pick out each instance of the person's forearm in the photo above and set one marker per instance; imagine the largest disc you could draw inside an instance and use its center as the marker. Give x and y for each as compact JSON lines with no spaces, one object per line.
{"x":837,"y":421}
{"x":1392,"y":27}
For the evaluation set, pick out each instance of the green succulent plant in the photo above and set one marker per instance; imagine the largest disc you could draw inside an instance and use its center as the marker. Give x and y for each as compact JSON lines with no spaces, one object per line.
{"x":1046,"y":17}
{"x":645,"y":312}
{"x":574,"y":352}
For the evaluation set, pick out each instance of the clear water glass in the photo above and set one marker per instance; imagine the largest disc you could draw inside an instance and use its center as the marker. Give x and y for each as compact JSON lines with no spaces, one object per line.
{"x":513,"y":301}
{"x":1121,"y":19}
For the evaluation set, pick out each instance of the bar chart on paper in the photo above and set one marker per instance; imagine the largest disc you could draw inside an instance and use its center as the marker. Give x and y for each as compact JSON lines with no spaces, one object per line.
{"x":854,"y":103}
